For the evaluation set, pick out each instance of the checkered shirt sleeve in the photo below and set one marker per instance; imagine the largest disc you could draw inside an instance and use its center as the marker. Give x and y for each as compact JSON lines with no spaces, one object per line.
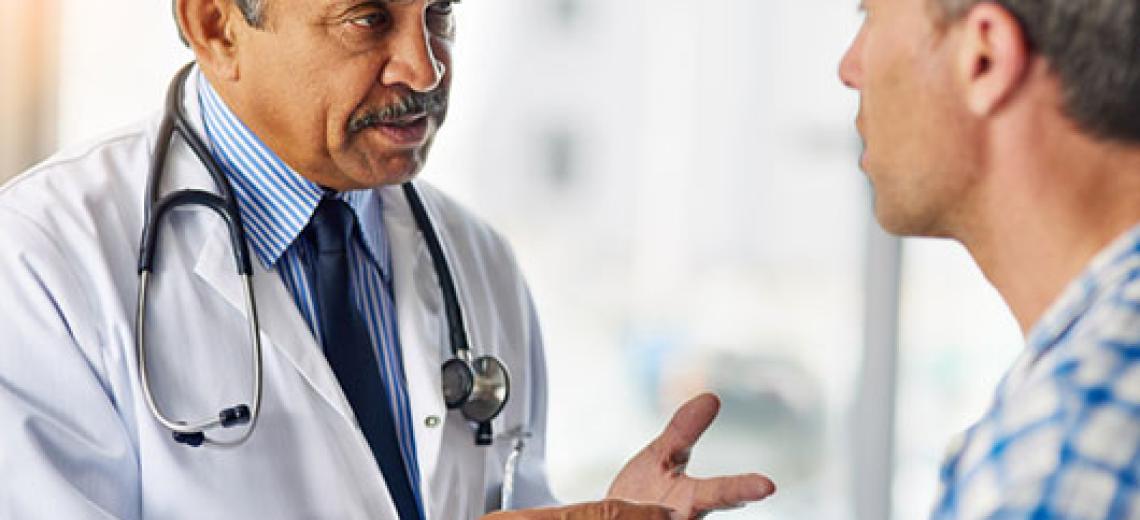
{"x":1061,"y":438}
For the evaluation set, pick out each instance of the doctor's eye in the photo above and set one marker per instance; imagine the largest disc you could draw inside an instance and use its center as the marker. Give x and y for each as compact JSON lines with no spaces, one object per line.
{"x":373,"y":20}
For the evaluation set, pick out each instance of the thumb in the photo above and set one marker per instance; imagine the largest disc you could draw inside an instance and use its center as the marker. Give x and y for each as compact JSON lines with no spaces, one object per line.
{"x":689,"y":422}
{"x":611,"y":509}
{"x":604,"y":510}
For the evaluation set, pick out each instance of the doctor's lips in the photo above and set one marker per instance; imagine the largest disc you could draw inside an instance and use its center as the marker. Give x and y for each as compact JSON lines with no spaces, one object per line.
{"x":404,"y":122}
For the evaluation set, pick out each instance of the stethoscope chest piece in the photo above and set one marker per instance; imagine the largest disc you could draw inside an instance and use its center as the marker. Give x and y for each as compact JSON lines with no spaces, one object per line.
{"x":478,"y":389}
{"x":458,"y":381}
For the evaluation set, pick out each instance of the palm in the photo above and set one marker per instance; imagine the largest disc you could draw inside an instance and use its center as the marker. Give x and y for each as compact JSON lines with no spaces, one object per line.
{"x":657,"y":473}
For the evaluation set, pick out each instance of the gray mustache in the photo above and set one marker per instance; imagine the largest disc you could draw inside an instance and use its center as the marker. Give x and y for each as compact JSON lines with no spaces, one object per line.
{"x":414,"y":104}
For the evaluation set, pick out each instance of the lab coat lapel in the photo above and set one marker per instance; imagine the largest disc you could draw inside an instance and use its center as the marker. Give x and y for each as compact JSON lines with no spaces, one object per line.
{"x":283,"y":329}
{"x":419,"y":309}
{"x":280,"y":321}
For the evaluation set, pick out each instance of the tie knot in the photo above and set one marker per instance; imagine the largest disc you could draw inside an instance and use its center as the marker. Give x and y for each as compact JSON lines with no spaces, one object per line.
{"x":331,"y":226}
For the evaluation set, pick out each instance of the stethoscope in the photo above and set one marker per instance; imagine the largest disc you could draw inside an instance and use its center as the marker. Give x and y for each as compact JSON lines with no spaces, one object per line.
{"x":477,"y":387}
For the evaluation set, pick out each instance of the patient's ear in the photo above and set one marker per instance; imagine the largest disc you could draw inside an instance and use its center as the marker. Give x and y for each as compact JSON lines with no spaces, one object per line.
{"x":209,"y":28}
{"x":993,"y":57}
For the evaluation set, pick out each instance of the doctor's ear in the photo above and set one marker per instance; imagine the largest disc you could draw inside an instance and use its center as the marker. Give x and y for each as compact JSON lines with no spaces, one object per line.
{"x":993,"y":59}
{"x":209,"y":28}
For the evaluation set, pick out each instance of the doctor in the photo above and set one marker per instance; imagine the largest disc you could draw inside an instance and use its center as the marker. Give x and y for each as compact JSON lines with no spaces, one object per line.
{"x":315,"y":112}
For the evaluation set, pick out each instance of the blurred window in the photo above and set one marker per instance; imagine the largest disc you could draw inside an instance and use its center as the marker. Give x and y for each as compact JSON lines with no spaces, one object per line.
{"x":679,"y":181}
{"x":956,"y":340}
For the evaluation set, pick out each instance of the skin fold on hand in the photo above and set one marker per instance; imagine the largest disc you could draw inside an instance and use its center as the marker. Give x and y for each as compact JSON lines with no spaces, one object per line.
{"x":656,"y":474}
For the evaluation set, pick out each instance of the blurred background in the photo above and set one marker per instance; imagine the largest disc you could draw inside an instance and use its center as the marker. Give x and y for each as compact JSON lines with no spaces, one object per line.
{"x":679,"y":180}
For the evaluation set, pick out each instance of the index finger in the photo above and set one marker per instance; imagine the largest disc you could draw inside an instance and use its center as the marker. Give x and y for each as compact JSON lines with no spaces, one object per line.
{"x":712,"y":494}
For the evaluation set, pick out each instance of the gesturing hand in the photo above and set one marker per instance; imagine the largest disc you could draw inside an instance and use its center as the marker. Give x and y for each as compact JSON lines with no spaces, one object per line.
{"x":657,"y":473}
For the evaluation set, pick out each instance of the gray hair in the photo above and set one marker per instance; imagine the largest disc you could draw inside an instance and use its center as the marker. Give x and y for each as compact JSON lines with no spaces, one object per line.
{"x":252,"y":10}
{"x":1093,"y":46}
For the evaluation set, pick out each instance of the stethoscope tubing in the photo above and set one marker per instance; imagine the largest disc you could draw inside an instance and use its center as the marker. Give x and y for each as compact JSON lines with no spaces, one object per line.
{"x":457,"y":334}
{"x":224,"y":204}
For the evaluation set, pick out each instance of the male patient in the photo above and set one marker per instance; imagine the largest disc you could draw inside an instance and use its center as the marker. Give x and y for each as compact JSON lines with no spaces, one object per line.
{"x":1013,"y":127}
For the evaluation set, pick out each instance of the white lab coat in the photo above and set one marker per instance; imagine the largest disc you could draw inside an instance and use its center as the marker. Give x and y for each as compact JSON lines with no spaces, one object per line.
{"x":76,"y":437}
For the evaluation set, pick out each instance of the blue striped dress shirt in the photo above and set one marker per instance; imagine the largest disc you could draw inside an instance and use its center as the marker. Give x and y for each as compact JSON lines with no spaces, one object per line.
{"x":276,"y":204}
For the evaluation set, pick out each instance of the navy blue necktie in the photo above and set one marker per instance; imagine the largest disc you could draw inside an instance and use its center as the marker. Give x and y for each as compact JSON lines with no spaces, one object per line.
{"x":349,"y":350}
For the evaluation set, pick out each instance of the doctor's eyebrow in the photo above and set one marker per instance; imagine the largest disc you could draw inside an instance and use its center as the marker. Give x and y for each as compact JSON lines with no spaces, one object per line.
{"x":342,"y":6}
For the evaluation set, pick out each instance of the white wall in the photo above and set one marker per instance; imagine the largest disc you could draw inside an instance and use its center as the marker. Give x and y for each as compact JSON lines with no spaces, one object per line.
{"x":116,"y":58}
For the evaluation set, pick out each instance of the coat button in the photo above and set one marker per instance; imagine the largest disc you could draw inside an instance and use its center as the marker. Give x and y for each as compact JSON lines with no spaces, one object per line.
{"x":432,"y":421}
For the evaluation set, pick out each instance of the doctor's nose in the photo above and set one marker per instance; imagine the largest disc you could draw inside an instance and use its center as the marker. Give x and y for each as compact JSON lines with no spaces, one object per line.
{"x":412,"y":62}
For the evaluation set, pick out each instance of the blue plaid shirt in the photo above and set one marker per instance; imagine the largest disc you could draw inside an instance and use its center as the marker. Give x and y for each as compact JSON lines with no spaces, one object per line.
{"x":1062,"y":436}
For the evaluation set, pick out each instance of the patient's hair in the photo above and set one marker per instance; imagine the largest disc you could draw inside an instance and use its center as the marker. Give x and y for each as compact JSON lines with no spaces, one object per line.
{"x":252,"y":10}
{"x":1093,"y":46}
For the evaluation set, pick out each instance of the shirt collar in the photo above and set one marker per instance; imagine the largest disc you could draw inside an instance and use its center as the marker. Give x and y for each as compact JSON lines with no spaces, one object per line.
{"x":1105,"y":271}
{"x":275,"y":202}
